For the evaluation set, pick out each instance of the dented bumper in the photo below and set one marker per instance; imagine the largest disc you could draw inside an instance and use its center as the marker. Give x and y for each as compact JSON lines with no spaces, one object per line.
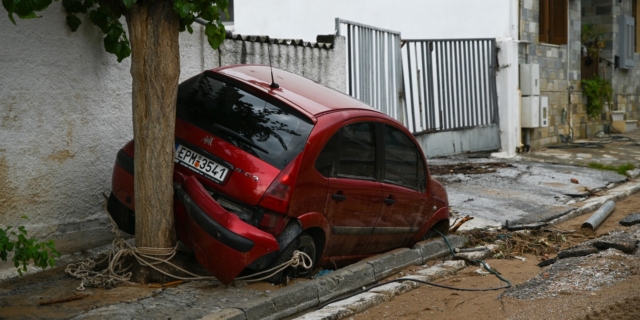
{"x":223,"y":244}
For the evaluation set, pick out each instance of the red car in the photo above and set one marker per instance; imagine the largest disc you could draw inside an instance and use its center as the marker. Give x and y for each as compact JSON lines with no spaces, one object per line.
{"x":263,"y":169}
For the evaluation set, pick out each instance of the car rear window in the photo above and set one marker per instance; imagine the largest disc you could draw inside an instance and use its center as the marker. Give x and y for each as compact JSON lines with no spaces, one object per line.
{"x":272,"y":132}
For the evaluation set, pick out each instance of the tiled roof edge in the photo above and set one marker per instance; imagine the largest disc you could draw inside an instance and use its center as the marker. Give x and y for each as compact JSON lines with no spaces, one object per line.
{"x":324,"y":41}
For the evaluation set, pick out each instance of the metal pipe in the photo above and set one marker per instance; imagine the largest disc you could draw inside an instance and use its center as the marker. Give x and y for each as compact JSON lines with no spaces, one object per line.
{"x":600,"y":215}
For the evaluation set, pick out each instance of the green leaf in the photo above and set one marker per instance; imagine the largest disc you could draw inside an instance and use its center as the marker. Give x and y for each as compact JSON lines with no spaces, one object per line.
{"x":74,"y":6}
{"x":129,"y":3}
{"x":73,"y":22}
{"x":215,"y":34}
{"x":9,"y":5}
{"x":27,"y":8}
{"x":182,"y":8}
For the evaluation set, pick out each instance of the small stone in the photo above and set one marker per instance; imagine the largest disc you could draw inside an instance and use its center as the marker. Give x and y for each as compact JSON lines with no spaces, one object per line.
{"x":574,"y":180}
{"x":576,"y":252}
{"x":547,"y":262}
{"x":624,"y":246}
{"x":631,"y":219}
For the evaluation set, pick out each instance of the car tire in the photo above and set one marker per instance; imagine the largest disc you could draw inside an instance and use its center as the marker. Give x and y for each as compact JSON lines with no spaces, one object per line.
{"x":303,"y":242}
{"x":442,"y":227}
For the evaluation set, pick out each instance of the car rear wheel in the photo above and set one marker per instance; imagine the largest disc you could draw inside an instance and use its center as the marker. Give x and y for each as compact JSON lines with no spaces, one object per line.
{"x":442,"y":227}
{"x":303,"y":243}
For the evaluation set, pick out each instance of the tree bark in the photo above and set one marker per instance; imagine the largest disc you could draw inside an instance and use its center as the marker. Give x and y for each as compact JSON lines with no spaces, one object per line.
{"x":155,"y":68}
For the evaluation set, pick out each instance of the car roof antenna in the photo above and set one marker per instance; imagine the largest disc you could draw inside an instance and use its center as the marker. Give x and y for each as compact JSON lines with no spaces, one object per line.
{"x":273,"y":85}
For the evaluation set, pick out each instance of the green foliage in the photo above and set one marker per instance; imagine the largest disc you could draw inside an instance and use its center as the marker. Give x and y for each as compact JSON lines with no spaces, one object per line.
{"x":621,"y":169}
{"x":26,"y":249}
{"x":591,"y":37}
{"x":598,"y":90}
{"x":106,"y":15}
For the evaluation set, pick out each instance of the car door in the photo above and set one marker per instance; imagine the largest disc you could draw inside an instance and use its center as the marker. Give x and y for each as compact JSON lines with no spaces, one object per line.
{"x":354,"y":196}
{"x":405,"y":201}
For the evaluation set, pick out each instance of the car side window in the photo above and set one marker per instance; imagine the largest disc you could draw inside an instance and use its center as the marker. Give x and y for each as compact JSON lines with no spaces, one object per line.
{"x":403,"y":164}
{"x":357,"y":158}
{"x":324,"y":162}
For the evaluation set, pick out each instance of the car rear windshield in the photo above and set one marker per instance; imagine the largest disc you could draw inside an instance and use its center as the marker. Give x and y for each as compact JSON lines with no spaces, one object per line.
{"x":274,"y":133}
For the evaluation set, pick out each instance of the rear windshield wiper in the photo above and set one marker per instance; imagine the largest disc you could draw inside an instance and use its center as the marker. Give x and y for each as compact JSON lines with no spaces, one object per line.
{"x":239,"y":137}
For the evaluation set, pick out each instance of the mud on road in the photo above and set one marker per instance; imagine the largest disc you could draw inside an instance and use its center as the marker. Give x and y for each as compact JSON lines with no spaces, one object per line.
{"x":605,"y":285}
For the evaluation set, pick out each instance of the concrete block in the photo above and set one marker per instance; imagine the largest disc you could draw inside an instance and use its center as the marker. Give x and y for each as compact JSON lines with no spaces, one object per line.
{"x":225,"y":314}
{"x":624,"y":125}
{"x":361,"y":302}
{"x":294,"y":299}
{"x":393,"y":289}
{"x":392,"y":262}
{"x":437,"y":247}
{"x":344,"y":280}
{"x":256,"y":308}
{"x":327,"y":313}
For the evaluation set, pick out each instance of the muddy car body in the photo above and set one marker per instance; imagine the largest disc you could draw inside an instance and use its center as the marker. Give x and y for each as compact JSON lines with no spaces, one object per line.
{"x":262,"y":170}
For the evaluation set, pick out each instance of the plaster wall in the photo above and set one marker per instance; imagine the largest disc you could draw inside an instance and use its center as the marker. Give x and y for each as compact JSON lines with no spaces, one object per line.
{"x":416,"y":19}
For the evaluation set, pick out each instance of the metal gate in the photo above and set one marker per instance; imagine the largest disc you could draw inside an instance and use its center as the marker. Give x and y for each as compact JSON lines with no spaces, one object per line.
{"x":452,"y":99}
{"x":374,"y":63}
{"x":450,"y":102}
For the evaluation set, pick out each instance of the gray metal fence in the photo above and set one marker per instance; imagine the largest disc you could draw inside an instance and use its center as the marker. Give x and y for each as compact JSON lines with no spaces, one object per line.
{"x":374,"y":67}
{"x":451,"y":84}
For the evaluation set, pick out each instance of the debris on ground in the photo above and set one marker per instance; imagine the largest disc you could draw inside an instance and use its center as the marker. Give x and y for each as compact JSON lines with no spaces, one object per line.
{"x":467,"y":168}
{"x":631,"y":219}
{"x":519,"y":243}
{"x":577,"y":252}
{"x":457,"y":224}
{"x":578,"y":275}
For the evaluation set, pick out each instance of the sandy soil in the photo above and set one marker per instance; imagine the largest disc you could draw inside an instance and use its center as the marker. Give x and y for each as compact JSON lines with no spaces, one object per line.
{"x":618,"y":301}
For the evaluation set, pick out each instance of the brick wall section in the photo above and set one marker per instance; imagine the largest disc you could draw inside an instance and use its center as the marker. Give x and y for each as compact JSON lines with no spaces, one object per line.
{"x":553,"y":76}
{"x":626,"y":83}
{"x":553,"y":72}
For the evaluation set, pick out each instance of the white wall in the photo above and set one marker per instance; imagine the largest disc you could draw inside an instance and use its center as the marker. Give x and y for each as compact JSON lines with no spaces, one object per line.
{"x":415,"y":19}
{"x":65,"y":110}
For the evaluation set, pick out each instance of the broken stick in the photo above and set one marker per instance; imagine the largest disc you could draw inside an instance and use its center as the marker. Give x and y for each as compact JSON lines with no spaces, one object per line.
{"x":460,"y":223}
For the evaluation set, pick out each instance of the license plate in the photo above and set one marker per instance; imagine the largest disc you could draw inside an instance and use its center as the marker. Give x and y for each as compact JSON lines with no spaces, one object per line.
{"x":201,"y":164}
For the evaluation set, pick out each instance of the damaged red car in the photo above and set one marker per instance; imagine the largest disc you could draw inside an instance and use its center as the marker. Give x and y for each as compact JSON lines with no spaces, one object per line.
{"x":264,"y":169}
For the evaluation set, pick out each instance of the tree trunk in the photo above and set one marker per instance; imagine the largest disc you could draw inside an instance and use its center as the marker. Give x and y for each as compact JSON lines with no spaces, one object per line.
{"x":155,"y":69}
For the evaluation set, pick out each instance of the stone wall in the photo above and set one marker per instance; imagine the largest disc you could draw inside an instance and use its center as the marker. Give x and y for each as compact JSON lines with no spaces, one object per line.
{"x":65,"y":110}
{"x":564,"y":105}
{"x":626,"y":83}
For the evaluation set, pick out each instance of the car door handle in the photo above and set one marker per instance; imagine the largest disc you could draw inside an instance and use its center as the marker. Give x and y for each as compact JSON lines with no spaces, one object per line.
{"x":389,"y":200}
{"x":338,"y":197}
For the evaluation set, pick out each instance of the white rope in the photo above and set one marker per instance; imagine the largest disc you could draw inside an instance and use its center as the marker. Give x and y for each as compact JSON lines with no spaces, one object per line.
{"x":117,"y":273}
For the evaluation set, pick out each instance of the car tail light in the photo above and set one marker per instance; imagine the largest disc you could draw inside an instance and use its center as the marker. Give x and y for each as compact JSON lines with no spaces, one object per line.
{"x":278,"y":195}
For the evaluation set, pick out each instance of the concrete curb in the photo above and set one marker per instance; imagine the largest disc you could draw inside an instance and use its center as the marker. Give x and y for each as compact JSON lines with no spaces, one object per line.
{"x":356,"y":304}
{"x":306,"y":295}
{"x":617,"y":193}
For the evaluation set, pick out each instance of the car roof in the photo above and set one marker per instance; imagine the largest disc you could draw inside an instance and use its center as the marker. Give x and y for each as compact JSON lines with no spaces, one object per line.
{"x":308,"y":95}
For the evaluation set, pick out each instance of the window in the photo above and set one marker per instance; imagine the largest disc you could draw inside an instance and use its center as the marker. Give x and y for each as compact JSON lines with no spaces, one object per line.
{"x":324,"y":163}
{"x":357,"y":157}
{"x":553,"y":21}
{"x":274,"y":133}
{"x":626,"y":39}
{"x":228,"y":21}
{"x":402,"y":162}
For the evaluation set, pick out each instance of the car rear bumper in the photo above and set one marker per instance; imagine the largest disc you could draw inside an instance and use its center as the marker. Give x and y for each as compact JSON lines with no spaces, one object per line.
{"x":223,"y":244}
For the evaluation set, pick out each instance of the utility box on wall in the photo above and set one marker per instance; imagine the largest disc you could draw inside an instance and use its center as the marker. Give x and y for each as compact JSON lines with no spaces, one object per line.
{"x":530,"y":112}
{"x":530,"y":79}
{"x":544,"y":112}
{"x":535,"y":112}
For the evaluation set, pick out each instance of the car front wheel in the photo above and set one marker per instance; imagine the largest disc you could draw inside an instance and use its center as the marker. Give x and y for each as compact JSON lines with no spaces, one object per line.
{"x":303,"y":243}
